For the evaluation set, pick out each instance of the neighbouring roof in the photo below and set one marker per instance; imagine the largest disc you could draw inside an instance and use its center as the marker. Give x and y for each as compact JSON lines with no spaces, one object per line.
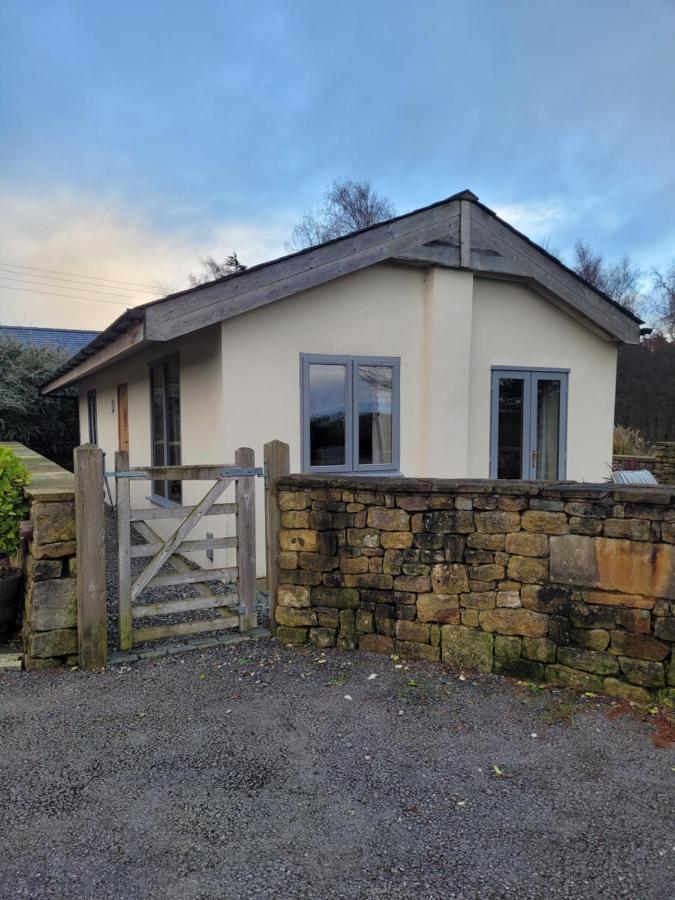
{"x":70,"y":339}
{"x":458,"y":232}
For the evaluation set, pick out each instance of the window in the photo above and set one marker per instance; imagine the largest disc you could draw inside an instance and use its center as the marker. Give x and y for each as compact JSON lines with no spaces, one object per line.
{"x":91,"y":416}
{"x":529,"y":424}
{"x":165,"y":418}
{"x":350,"y":410}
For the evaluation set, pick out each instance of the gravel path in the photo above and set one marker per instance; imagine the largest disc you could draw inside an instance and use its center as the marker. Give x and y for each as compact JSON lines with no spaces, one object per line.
{"x":153,"y":595}
{"x":247,"y":772}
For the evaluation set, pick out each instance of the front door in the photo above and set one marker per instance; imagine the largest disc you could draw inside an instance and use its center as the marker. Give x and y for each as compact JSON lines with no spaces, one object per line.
{"x":529,"y":424}
{"x":123,"y":417}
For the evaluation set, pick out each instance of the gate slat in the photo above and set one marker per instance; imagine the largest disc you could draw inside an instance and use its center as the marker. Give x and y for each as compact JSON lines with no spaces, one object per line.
{"x":194,"y":575}
{"x":158,"y":632}
{"x":186,"y":546}
{"x":245,"y":493}
{"x":178,"y":536}
{"x":169,"y":607}
{"x":123,"y":552}
{"x":179,"y":512}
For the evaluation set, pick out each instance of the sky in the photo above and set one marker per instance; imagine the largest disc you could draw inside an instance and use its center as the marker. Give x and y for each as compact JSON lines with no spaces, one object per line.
{"x":136,"y":138}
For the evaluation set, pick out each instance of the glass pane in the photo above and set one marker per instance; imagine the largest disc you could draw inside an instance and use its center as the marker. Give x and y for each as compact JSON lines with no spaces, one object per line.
{"x":548,"y":428}
{"x":327,"y":414}
{"x":173,"y":424}
{"x":375,"y":391}
{"x":510,"y":428}
{"x":157,"y":412}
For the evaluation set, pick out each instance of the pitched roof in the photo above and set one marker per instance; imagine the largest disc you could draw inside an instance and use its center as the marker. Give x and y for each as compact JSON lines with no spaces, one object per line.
{"x":70,"y":339}
{"x":458,"y":232}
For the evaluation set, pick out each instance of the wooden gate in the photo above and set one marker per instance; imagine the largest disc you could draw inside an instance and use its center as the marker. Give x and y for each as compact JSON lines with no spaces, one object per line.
{"x":234,"y":608}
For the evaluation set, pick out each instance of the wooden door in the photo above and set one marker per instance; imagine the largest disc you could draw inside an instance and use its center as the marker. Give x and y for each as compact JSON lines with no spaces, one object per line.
{"x":123,"y":417}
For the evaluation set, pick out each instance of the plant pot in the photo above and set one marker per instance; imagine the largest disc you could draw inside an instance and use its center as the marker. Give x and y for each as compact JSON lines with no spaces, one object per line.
{"x":10,"y":598}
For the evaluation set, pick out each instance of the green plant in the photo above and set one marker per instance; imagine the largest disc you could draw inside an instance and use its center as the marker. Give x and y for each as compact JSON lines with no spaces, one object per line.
{"x":628,"y":442}
{"x":13,"y":505}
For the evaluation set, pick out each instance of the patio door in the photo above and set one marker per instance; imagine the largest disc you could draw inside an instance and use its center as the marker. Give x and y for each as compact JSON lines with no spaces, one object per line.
{"x":529,"y":424}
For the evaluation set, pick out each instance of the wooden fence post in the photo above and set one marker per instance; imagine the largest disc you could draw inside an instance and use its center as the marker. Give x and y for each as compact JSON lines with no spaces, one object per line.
{"x":92,"y":634}
{"x":123,"y":551}
{"x":277,"y":463}
{"x":245,"y":494}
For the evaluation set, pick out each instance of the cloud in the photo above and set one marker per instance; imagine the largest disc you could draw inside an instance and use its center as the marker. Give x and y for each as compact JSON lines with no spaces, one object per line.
{"x":536,"y":220}
{"x":73,"y":233}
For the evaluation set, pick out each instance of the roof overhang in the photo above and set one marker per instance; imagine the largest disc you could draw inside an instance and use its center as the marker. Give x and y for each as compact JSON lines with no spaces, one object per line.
{"x":458,"y":233}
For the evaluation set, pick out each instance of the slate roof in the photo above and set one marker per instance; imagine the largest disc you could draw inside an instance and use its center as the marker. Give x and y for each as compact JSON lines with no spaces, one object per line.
{"x":70,"y":339}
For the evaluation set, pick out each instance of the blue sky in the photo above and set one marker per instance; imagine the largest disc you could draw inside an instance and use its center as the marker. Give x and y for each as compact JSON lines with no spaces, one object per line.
{"x":138,"y":136}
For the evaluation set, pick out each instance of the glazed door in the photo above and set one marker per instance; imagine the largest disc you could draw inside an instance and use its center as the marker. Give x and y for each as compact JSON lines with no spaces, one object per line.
{"x":123,"y":417}
{"x":529,"y":419}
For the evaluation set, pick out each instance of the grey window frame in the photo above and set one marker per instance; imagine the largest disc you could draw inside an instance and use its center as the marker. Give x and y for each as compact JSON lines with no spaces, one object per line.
{"x":92,"y":417}
{"x":164,"y":499}
{"x":530,"y":375}
{"x":351,"y":364}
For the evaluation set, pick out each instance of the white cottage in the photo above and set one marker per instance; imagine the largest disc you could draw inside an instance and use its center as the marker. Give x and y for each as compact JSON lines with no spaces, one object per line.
{"x":440,"y":343}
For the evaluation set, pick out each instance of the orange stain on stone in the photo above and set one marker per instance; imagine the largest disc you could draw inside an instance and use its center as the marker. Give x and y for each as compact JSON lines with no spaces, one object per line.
{"x":635,"y":567}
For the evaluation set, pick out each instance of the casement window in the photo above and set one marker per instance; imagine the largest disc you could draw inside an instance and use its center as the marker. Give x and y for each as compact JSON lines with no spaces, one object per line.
{"x":91,"y":417}
{"x":165,"y":421}
{"x":350,"y":413}
{"x":529,"y":424}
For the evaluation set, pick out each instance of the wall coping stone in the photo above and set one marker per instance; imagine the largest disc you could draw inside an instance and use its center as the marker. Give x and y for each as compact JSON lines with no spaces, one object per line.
{"x":566,"y":490}
{"x":49,"y":482}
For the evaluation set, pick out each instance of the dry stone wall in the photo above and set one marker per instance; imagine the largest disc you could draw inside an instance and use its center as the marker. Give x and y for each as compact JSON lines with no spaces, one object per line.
{"x":49,"y":567}
{"x":572,"y":584}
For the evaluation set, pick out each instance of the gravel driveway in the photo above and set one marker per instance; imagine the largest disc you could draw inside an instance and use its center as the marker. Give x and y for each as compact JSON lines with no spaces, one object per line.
{"x":248,"y":771}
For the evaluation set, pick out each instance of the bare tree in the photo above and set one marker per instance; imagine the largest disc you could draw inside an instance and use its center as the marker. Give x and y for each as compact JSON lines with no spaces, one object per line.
{"x":662,"y":306}
{"x":212,"y":269}
{"x":621,"y":280}
{"x":345,"y":207}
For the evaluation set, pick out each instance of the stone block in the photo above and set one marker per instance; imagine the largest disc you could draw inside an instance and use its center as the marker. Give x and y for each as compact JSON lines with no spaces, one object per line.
{"x":376,"y":643}
{"x":543,"y":522}
{"x":72,"y":567}
{"x":288,"y":559}
{"x":643,"y":672}
{"x":559,"y":630}
{"x":295,"y":518}
{"x":35,"y":664}
{"x":524,"y":543}
{"x":539,"y":649}
{"x":590,"y":638}
{"x":665,"y":629}
{"x":337,"y":598}
{"x":299,"y":539}
{"x":586,"y":509}
{"x":299,"y":577}
{"x":393,"y":562}
{"x":639,"y":646}
{"x":484,"y":501}
{"x":468,"y":617}
{"x":328,"y":618}
{"x":293,"y":595}
{"x":443,"y":608}
{"x":583,"y":615}
{"x":42,"y":569}
{"x":413,"y":631}
{"x":590,"y":527}
{"x":291,"y":635}
{"x":489,"y":572}
{"x":449,"y":522}
{"x":385,"y":619}
{"x":630,"y":529}
{"x":388,"y":519}
{"x":351,"y":565}
{"x":397,"y":540}
{"x":464,"y":503}
{"x":479,"y":599}
{"x":369,"y":580}
{"x":346,"y":638}
{"x":593,"y":661}
{"x":51,"y":605}
{"x":365,"y":622}
{"x":413,"y":650}
{"x":363,"y":537}
{"x":549,"y":599}
{"x":52,"y":551}
{"x":573,"y":678}
{"x":48,"y":644}
{"x":514,"y":621}
{"x":296,"y":618}
{"x":507,"y":647}
{"x":638,"y":621}
{"x":528,"y":569}
{"x":498,"y":522}
{"x":513,"y":504}
{"x":449,"y":578}
{"x":519,"y":668}
{"x":412,"y":583}
{"x":484,"y":541}
{"x":53,"y":522}
{"x":613,"y":687}
{"x":317,"y":562}
{"x":466,"y":648}
{"x":509,"y":599}
{"x":322,"y":637}
{"x":413,"y":502}
{"x":294,"y":500}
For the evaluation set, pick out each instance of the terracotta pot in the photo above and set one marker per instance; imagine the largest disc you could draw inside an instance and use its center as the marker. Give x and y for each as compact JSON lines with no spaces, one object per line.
{"x":10,"y":597}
